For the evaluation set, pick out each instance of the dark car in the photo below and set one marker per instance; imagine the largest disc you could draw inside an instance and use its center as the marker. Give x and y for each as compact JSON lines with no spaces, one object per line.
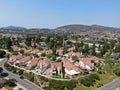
{"x":4,"y":74}
{"x":14,"y":80}
{"x":21,"y":77}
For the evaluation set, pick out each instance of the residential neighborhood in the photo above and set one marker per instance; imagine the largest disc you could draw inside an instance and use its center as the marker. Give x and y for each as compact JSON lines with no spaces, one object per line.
{"x":60,"y":45}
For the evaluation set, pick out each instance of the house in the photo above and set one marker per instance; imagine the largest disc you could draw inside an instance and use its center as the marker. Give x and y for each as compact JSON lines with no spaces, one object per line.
{"x":1,"y":80}
{"x":71,"y":69}
{"x":59,"y":52}
{"x":24,"y":60}
{"x":35,"y":51}
{"x":41,"y":52}
{"x":24,"y":49}
{"x":48,"y":52}
{"x":56,"y":68}
{"x":33,"y":62}
{"x":6,"y":88}
{"x":87,"y":63}
{"x":42,"y":65}
{"x":71,"y":49}
{"x":78,"y":54}
{"x":14,"y":58}
{"x":28,"y":50}
{"x":15,"y":48}
{"x":70,"y":54}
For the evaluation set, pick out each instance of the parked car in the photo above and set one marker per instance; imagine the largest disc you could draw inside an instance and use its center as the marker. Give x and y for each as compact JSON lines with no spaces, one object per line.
{"x":21,"y":77}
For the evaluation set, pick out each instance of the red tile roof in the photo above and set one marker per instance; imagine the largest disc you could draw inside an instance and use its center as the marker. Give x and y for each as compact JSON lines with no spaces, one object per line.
{"x":28,"y":51}
{"x":43,"y":62}
{"x":59,"y":52}
{"x":48,"y":52}
{"x":25,"y":59}
{"x":70,"y":66}
{"x":13,"y":58}
{"x":87,"y":61}
{"x":15,"y":48}
{"x":6,"y":88}
{"x":73,"y":54}
{"x":35,"y":51}
{"x":56,"y":65}
{"x":34,"y":61}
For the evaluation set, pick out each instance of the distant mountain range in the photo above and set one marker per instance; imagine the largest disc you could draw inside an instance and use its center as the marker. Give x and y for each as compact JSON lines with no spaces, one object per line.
{"x":13,"y":28}
{"x":66,"y":28}
{"x":78,"y":28}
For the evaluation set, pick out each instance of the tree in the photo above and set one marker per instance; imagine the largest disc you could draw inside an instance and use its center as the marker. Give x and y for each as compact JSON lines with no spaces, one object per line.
{"x":20,"y":89}
{"x":20,"y":72}
{"x":10,"y":83}
{"x":74,"y":58}
{"x":2,"y":54}
{"x":8,"y":43}
{"x":81,"y":43}
{"x":64,"y":50}
{"x":86,"y":49}
{"x":116,"y":69}
{"x":89,"y":80}
{"x":117,"y":48}
{"x":93,"y":50}
{"x":1,"y":69}
{"x":54,"y":50}
{"x":7,"y":55}
{"x":22,"y":51}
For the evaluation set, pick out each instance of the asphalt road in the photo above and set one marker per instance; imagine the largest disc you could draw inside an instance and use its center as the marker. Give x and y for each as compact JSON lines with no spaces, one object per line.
{"x":114,"y":85}
{"x":28,"y":85}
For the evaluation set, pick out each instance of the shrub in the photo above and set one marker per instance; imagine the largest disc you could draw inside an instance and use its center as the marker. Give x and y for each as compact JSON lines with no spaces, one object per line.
{"x":2,"y":54}
{"x":89,"y":80}
{"x":116,"y":69}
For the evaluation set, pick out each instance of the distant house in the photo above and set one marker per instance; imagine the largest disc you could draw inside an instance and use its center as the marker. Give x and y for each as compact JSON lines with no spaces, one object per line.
{"x":35,"y":51}
{"x":24,"y":49}
{"x":41,"y":52}
{"x":71,"y":69}
{"x":70,"y":54}
{"x":33,"y":62}
{"x":87,"y":63}
{"x":42,"y":65}
{"x":6,"y":88}
{"x":28,"y":51}
{"x":71,"y":49}
{"x":15,"y":48}
{"x":56,"y":68}
{"x":14,"y":58}
{"x":59,"y":52}
{"x":23,"y":61}
{"x":48,"y":52}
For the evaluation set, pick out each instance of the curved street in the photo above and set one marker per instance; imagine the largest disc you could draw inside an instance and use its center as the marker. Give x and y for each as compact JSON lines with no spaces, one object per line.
{"x":25,"y":83}
{"x":114,"y":85}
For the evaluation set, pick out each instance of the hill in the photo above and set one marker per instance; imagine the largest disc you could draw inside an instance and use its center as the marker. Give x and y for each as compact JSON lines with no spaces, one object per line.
{"x":79,"y":28}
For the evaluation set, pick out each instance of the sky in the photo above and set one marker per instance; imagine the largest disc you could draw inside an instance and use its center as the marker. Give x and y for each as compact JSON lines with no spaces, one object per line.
{"x":55,"y":13}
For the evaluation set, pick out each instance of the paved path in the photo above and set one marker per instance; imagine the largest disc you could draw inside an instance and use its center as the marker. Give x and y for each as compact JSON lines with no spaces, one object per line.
{"x":23,"y":82}
{"x":114,"y":85}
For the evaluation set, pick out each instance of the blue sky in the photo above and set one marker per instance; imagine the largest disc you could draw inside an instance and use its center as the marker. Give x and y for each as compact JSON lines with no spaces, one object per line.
{"x":54,"y":13}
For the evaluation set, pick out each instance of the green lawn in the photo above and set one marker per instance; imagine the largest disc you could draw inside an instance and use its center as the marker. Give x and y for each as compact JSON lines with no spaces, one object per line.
{"x":58,"y":76}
